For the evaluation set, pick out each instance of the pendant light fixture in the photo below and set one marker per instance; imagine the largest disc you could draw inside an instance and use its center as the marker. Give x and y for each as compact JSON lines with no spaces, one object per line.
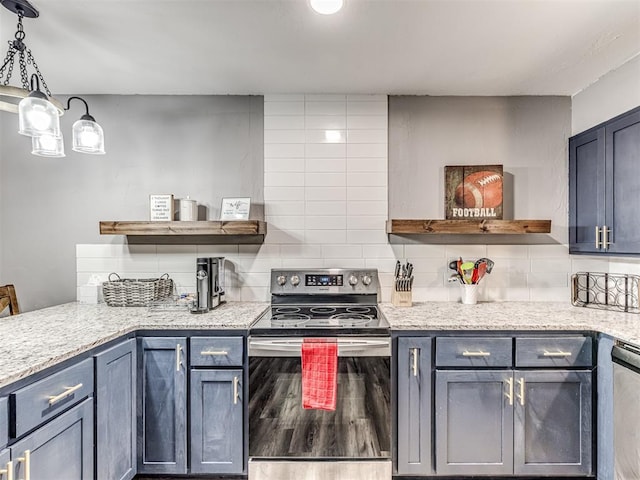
{"x":326,"y":7}
{"x":38,"y":112}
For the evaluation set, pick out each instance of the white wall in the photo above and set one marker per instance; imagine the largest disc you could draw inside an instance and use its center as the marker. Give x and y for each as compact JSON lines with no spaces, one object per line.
{"x":615,"y":93}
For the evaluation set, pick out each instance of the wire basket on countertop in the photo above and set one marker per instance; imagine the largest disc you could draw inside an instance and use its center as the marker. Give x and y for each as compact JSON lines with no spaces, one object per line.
{"x":132,"y":292}
{"x":608,"y":291}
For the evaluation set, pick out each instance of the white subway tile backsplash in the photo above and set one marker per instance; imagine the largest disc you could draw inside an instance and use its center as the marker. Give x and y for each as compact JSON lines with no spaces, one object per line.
{"x":355,"y":208}
{"x":283,"y":179}
{"x":367,"y":136}
{"x":343,"y":263}
{"x":547,"y":251}
{"x":255,"y":279}
{"x":385,"y":265}
{"x":284,"y":193}
{"x":182,"y":250}
{"x":366,"y":222}
{"x":342,"y":251}
{"x":217,"y":250}
{"x":325,"y":208}
{"x":587,"y":264}
{"x":326,"y":236}
{"x":286,"y":222}
{"x":325,"y":150}
{"x":284,"y":122}
{"x":301,"y":251}
{"x":367,"y":108}
{"x":367,"y":165}
{"x":284,"y":108}
{"x":325,"y":193}
{"x":325,"y":179}
{"x":325,"y":108}
{"x":284,"y":136}
{"x":254,"y":294}
{"x":375,"y":194}
{"x":508,"y":251}
{"x":259,"y":250}
{"x":366,"y":98}
{"x":321,"y":165}
{"x":278,"y":207}
{"x":427,"y":264}
{"x":367,"y":179}
{"x":547,"y":279}
{"x":277,"y":236}
{"x":367,"y":122}
{"x":326,"y":122}
{"x":326,"y":222}
{"x":550,"y":294}
{"x":284,"y":150}
{"x":412,"y":251}
{"x":302,"y":263}
{"x":383,"y":250}
{"x":287,"y":97}
{"x":172,"y":264}
{"x":507,"y":294}
{"x":326,"y":136}
{"x":367,"y":150}
{"x":324,"y":97}
{"x":366,"y":236}
{"x":467,"y":252}
{"x":284,"y":165}
{"x":550,"y":265}
{"x":98,"y":264}
{"x":245,"y":265}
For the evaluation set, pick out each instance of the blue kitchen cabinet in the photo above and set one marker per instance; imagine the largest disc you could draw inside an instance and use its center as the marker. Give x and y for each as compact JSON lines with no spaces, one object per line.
{"x":162,"y":405}
{"x":4,"y":422}
{"x":216,"y":407}
{"x":116,"y":412}
{"x":413,"y":432}
{"x":61,"y":449}
{"x":604,"y":187}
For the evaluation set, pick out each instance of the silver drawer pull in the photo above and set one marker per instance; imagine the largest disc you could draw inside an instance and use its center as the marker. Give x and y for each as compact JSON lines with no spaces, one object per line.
{"x":479,"y":353}
{"x":214,"y":352}
{"x":559,"y":353}
{"x":69,"y":390}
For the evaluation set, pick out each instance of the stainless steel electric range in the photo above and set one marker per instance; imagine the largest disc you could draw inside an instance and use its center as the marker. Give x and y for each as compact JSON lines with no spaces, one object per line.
{"x":354,"y":441}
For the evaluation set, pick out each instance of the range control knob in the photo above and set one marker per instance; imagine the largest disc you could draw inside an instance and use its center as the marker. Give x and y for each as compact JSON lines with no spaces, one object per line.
{"x":353,"y":280}
{"x":281,"y":280}
{"x":366,"y":280}
{"x":295,"y":280}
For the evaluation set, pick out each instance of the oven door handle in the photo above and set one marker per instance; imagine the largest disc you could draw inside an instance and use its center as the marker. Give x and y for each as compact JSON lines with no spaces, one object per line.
{"x":292,"y":347}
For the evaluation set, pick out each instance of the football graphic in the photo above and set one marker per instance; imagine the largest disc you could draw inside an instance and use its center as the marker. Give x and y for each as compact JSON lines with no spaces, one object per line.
{"x":479,"y":190}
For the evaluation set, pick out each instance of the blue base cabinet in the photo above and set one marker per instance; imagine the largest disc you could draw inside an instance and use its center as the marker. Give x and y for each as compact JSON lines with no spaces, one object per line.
{"x":216,"y":407}
{"x":162,"y":405}
{"x":116,"y":412}
{"x":6,"y":465}
{"x":61,"y":449}
{"x":414,"y":406}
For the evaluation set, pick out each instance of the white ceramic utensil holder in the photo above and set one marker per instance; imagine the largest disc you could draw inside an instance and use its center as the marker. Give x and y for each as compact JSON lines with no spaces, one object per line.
{"x":469,"y":294}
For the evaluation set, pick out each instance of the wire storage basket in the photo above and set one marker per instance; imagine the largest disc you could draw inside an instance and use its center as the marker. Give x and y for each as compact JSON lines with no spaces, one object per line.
{"x":608,"y":291}
{"x":130,"y":292}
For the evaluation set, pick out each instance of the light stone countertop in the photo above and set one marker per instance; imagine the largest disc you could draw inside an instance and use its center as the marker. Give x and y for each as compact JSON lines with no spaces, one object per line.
{"x":513,"y":316}
{"x":37,"y":340}
{"x":34,"y":341}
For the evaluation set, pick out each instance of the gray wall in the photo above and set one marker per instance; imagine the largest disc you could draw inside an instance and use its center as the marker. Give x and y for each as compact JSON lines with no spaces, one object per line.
{"x":207,"y":147}
{"x":528,"y":135}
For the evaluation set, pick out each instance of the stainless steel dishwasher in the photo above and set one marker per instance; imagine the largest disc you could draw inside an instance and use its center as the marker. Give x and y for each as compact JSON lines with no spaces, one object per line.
{"x":626,"y":411}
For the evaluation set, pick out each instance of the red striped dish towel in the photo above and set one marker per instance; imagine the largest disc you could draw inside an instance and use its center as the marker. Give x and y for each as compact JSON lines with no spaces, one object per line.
{"x":319,"y":374}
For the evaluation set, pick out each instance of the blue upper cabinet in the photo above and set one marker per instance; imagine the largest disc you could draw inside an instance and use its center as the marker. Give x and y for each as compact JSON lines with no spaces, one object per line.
{"x":604,"y":187}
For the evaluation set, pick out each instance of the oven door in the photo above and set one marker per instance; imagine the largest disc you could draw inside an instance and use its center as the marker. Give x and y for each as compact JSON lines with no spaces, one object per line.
{"x":358,"y":429}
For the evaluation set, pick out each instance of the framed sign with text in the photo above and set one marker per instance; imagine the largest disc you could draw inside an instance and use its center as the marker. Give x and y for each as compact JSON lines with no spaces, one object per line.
{"x":161,"y":208}
{"x":473,"y":191}
{"x":235,"y":208}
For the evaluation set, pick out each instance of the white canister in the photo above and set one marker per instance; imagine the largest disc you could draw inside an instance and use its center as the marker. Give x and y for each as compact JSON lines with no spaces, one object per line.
{"x":188,"y":210}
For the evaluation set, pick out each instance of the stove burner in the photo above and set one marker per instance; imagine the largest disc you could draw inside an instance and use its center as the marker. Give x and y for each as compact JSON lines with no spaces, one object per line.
{"x":285,"y":310}
{"x":322,"y":310}
{"x":352,"y":319}
{"x":362,"y":310}
{"x":289,"y":319}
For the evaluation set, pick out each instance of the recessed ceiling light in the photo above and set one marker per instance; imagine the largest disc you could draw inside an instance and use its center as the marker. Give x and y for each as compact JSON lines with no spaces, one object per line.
{"x":326,"y":7}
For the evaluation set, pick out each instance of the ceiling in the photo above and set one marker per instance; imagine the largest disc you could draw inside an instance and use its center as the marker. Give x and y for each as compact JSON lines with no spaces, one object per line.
{"x":432,"y":47}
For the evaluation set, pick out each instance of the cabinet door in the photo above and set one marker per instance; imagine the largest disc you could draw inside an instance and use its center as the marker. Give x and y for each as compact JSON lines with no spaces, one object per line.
{"x":217,"y":421}
{"x":474,"y":422}
{"x":6,"y":466}
{"x":62,"y":449}
{"x":414,"y":406}
{"x":553,"y":422}
{"x":586,"y":190}
{"x":162,"y":414}
{"x":116,"y":412}
{"x":622,"y":139}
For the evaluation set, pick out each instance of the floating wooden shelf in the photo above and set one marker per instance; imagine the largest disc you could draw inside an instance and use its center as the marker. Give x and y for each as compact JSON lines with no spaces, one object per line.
{"x":408,"y":227}
{"x":204,"y":228}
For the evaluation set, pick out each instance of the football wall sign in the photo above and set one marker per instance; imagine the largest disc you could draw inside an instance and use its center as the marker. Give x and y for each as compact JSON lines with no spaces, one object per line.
{"x":473,"y":191}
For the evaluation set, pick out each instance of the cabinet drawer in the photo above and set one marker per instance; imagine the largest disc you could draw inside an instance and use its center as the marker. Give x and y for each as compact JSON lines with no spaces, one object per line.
{"x":473,"y":352}
{"x":216,"y":351}
{"x":554,"y":352}
{"x":44,"y":399}
{"x":4,"y":422}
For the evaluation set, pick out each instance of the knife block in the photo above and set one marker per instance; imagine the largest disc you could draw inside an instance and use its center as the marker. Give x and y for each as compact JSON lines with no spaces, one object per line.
{"x":401,"y":299}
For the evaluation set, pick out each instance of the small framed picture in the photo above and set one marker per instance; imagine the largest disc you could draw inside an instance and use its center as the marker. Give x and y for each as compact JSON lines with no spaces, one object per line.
{"x":235,"y":208}
{"x":473,"y":191}
{"x":161,"y":208}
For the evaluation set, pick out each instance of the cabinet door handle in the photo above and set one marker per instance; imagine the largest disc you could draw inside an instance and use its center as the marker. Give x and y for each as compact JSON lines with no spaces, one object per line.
{"x":509,"y":394}
{"x":559,"y":353}
{"x":178,"y":359}
{"x":214,"y":352}
{"x":236,"y":393}
{"x":414,"y":364}
{"x":7,"y":471}
{"x":598,"y":242}
{"x":26,"y":460}
{"x":53,"y":399}
{"x":605,"y":237}
{"x":521,"y":396}
{"x":479,"y":353}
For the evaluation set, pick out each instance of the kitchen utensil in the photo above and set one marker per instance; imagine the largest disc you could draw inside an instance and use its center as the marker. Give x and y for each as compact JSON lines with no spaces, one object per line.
{"x":455,"y":278}
{"x":397,"y":272}
{"x":467,"y":271}
{"x":488,"y":261}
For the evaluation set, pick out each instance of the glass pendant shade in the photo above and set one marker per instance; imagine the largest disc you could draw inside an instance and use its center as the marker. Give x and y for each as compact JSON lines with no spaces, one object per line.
{"x":88,"y":137}
{"x":48,"y":146}
{"x":37,"y":116}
